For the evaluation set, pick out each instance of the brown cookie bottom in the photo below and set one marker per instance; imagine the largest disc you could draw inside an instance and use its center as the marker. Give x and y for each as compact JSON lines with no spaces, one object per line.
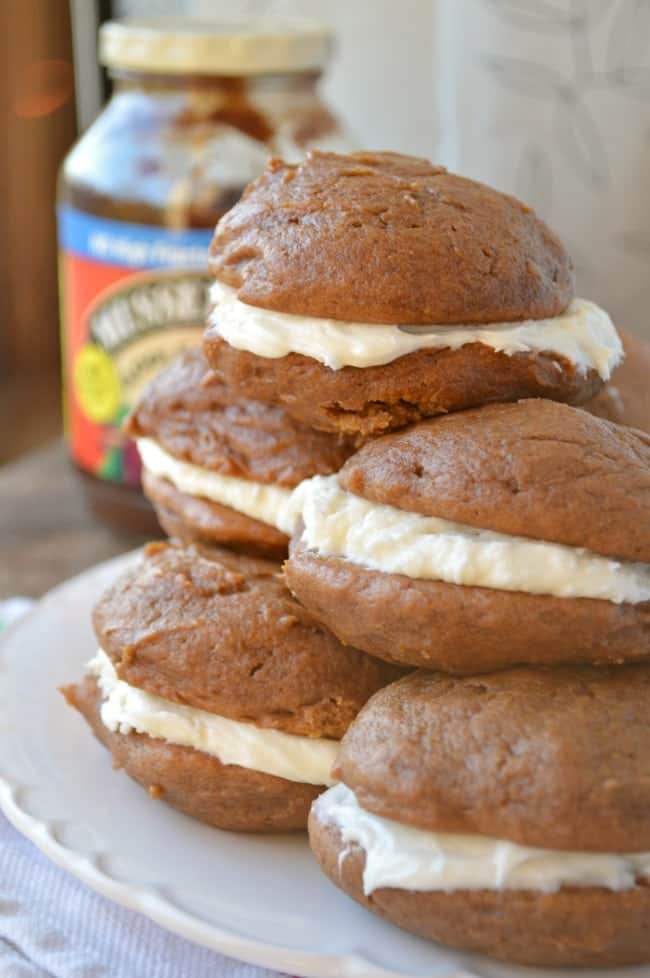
{"x":458,"y":629}
{"x":193,"y":519}
{"x":197,"y":784}
{"x":575,"y":927}
{"x":626,"y":398}
{"x":372,"y":400}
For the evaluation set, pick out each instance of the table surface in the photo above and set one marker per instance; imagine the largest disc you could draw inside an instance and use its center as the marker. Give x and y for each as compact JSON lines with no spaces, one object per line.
{"x":47,"y":534}
{"x":33,"y":401}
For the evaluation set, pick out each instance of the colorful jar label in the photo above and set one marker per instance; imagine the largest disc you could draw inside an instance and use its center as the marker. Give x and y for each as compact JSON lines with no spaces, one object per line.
{"x":133,"y":296}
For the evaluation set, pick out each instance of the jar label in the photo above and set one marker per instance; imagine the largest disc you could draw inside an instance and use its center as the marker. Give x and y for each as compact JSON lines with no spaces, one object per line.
{"x":133,"y":296}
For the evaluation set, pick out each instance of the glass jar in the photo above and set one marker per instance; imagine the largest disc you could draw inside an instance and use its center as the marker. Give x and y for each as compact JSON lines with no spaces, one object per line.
{"x":196,"y":110}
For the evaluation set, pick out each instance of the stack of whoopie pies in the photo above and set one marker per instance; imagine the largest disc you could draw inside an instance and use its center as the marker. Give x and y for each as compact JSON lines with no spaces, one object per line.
{"x":394,"y":367}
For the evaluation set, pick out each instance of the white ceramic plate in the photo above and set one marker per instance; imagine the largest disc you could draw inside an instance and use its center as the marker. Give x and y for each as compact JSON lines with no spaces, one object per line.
{"x":262,"y":900}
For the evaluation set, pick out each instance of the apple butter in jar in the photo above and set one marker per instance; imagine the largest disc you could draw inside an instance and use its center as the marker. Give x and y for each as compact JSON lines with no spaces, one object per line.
{"x":196,"y":110}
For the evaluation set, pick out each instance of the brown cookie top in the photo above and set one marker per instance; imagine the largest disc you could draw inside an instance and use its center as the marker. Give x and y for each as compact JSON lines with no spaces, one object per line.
{"x":220,"y":631}
{"x":386,"y":238}
{"x":534,"y":469}
{"x":556,"y":758}
{"x":194,"y":416}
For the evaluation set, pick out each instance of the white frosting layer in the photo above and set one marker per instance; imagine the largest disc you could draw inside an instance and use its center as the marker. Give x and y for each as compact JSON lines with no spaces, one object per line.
{"x":126,"y":708}
{"x":413,"y":859}
{"x":268,"y":503}
{"x":583,"y":334}
{"x":384,"y":538}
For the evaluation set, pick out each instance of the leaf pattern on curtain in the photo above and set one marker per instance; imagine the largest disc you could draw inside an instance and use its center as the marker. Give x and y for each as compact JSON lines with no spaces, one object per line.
{"x":569,"y":95}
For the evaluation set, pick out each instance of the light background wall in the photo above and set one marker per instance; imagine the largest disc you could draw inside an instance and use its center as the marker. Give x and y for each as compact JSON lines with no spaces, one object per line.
{"x":548,"y":99}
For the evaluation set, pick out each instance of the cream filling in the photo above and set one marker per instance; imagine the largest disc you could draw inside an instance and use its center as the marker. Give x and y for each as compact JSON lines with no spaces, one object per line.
{"x":415,"y":859}
{"x":583,"y":334}
{"x":267,"y":503}
{"x":126,"y":708}
{"x":391,"y":540}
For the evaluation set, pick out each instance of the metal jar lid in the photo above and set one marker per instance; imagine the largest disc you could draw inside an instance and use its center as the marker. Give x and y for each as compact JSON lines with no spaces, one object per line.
{"x":229,"y":47}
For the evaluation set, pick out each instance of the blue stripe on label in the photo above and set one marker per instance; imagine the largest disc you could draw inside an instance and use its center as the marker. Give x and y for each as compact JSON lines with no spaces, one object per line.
{"x":131,"y":245}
